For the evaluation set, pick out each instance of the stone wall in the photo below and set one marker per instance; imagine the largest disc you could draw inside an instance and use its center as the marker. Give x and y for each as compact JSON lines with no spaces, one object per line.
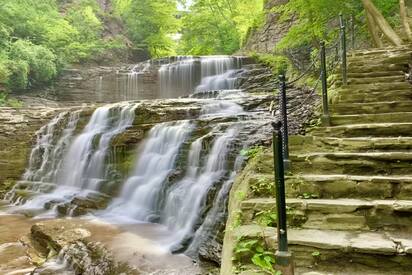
{"x":264,"y":39}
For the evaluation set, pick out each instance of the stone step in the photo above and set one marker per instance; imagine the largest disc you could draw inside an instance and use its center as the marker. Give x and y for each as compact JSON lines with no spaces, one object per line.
{"x":349,"y":186}
{"x":375,"y":87}
{"x":392,"y":58}
{"x":372,"y":80}
{"x":369,"y":68}
{"x":385,"y":253}
{"x":335,"y":214}
{"x":376,"y":74}
{"x":352,"y":163}
{"x":371,"y":97}
{"x":371,"y":118}
{"x":379,"y":51}
{"x":371,"y":107}
{"x":365,"y":130}
{"x":360,"y":144}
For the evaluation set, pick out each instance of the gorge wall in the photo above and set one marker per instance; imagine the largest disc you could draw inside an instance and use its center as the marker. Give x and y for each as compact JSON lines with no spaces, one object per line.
{"x":265,"y":38}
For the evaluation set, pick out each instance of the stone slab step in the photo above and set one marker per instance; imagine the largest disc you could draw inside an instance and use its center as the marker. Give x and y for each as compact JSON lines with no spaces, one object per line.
{"x":322,"y":248}
{"x":371,"y":96}
{"x":349,"y":186}
{"x":369,"y":68}
{"x":399,"y":117}
{"x":376,"y":87}
{"x":365,"y":130}
{"x":335,"y":214}
{"x":372,"y":80}
{"x":371,"y":107}
{"x":380,"y":51}
{"x":353,"y":163}
{"x":358,"y":144}
{"x":389,"y":58}
{"x":375,"y":74}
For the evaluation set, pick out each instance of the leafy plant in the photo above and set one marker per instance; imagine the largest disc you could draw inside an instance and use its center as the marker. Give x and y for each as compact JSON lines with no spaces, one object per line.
{"x":251,"y":152}
{"x":266,"y":218}
{"x":256,"y":252}
{"x":263,"y":187}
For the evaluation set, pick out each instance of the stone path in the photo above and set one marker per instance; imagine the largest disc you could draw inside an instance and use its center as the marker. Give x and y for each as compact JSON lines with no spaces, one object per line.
{"x":349,"y":192}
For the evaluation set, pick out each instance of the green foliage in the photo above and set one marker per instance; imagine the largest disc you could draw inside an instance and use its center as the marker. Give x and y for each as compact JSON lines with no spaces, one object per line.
{"x":318,"y":19}
{"x":277,"y":63}
{"x":263,"y":187}
{"x":251,"y":152}
{"x":219,"y":26}
{"x":37,"y":37}
{"x":257,"y":253}
{"x":266,"y":218}
{"x":151,"y":24}
{"x":5,"y":100}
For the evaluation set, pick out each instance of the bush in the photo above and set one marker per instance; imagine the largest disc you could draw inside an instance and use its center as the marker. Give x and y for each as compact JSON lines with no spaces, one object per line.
{"x":31,"y":65}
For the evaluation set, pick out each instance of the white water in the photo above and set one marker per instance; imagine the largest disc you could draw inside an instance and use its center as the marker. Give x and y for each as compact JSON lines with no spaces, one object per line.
{"x":82,"y":169}
{"x":189,"y":74}
{"x":186,"y":198}
{"x":141,"y":194}
{"x":149,"y":194}
{"x":46,"y":156}
{"x":83,"y":166}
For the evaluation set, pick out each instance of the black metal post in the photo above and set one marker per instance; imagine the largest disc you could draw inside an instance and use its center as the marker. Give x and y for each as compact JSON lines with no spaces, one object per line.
{"x":324,"y":80}
{"x":284,"y":118}
{"x":284,"y":259}
{"x":352,"y":22}
{"x":343,"y":48}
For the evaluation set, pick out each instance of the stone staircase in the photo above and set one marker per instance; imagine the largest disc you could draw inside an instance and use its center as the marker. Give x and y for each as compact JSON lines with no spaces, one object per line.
{"x":349,"y":189}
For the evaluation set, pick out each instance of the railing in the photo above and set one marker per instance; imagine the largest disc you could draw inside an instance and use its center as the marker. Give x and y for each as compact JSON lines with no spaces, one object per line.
{"x":326,"y":62}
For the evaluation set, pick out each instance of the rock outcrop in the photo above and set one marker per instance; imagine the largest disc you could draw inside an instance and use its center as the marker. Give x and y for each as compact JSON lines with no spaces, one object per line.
{"x":265,"y":38}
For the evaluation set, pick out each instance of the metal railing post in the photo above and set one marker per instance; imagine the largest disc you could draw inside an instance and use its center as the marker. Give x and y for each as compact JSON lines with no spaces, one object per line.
{"x":284,"y":258}
{"x":352,"y":22}
{"x":343,"y":48}
{"x":284,"y":118}
{"x":324,"y":80}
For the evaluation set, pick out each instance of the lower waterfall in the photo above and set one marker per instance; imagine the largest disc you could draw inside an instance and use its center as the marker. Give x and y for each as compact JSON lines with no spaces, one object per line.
{"x":179,"y":159}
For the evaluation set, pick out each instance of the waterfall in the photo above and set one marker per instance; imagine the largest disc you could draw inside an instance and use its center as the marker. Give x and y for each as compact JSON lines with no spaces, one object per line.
{"x":186,"y":198}
{"x":47,"y":155}
{"x":141,"y":195}
{"x":188,"y":74}
{"x":216,"y":214}
{"x":83,"y":166}
{"x":178,"y":78}
{"x":82,"y":170}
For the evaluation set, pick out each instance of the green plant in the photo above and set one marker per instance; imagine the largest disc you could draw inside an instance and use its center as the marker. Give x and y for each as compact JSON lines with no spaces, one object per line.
{"x":257,"y":253}
{"x":263,"y":187}
{"x":316,"y":253}
{"x":308,"y":195}
{"x":266,"y":218}
{"x":251,"y":152}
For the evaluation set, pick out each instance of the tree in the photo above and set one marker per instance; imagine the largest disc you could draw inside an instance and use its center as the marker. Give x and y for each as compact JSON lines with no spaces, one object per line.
{"x":151,"y":24}
{"x":404,"y":19}
{"x":377,"y":20}
{"x":219,"y":26}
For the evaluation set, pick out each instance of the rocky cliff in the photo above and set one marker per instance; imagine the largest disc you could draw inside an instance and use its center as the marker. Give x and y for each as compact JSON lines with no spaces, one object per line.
{"x":265,"y":38}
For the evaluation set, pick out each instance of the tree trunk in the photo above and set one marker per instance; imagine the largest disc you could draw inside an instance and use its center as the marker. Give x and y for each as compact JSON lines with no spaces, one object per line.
{"x":373,"y":29}
{"x":382,"y":23}
{"x":404,"y":19}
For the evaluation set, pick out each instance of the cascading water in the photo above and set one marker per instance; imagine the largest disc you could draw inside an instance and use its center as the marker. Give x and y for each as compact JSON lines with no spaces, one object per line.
{"x":141,"y":195}
{"x":189,"y":74}
{"x":178,"y":78}
{"x":46,"y":157}
{"x":180,"y":166}
{"x":82,"y":169}
{"x":186,"y":198}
